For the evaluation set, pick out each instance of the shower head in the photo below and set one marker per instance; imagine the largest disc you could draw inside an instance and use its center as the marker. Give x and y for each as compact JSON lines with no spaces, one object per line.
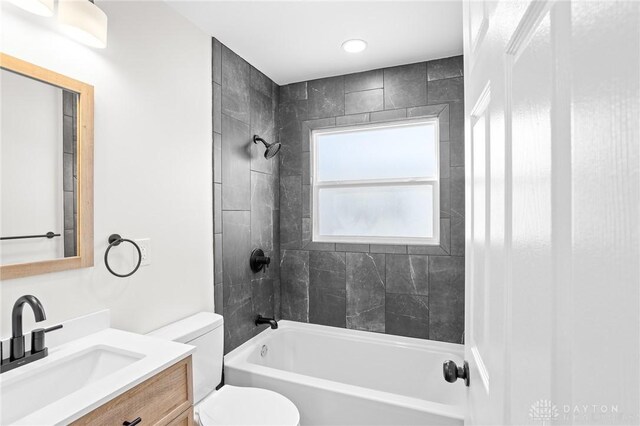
{"x":272,"y":148}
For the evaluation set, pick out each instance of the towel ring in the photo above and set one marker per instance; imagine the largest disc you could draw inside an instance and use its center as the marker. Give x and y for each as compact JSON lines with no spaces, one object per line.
{"x":115,"y":240}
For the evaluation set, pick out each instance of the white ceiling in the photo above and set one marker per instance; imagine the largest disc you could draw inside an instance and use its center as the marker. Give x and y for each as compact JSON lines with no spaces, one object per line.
{"x":300,"y":40}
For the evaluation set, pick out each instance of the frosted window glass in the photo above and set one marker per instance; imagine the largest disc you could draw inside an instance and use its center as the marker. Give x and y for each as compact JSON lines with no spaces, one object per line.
{"x":382,"y":211}
{"x":384,"y":153}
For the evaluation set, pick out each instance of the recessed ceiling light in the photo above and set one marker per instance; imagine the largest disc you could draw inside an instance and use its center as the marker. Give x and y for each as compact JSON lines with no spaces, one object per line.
{"x":354,"y":45}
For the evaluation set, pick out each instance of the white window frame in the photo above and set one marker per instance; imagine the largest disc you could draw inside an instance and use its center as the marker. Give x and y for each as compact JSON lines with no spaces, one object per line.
{"x":434,"y":182}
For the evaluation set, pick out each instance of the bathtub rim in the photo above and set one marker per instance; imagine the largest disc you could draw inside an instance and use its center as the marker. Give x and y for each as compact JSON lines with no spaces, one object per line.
{"x":359,"y":335}
{"x":238,"y":360}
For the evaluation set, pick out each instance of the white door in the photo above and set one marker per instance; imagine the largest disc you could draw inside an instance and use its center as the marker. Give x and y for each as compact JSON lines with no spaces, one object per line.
{"x":552,"y":206}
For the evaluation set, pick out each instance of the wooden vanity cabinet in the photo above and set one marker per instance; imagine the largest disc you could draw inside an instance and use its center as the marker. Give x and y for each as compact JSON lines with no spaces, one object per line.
{"x":164,"y":399}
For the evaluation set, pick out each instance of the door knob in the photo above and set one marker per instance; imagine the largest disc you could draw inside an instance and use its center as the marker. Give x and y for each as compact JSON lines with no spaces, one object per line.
{"x":452,"y":372}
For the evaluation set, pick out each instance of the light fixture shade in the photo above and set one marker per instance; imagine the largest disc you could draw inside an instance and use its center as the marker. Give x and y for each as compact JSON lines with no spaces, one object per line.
{"x":83,"y":21}
{"x":354,"y":45}
{"x":39,"y":7}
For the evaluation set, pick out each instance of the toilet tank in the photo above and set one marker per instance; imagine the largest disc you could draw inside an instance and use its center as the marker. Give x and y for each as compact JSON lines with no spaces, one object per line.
{"x":204,"y":331}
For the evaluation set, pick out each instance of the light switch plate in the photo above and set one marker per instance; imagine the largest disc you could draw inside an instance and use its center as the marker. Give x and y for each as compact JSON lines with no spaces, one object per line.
{"x":145,"y":250}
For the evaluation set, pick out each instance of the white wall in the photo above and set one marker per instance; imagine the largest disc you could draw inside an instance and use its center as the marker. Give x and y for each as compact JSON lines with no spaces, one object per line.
{"x":152,"y":163}
{"x":31,"y":190}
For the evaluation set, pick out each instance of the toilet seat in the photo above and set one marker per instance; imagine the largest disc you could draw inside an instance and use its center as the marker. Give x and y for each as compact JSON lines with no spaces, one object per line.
{"x":235,"y":406}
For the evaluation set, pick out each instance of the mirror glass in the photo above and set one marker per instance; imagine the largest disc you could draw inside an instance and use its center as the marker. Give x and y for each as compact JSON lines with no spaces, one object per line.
{"x":38,"y":170}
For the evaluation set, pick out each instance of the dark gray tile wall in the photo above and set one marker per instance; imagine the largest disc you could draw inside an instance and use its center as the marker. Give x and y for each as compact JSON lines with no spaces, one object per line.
{"x":405,"y":86}
{"x":294,"y":292}
{"x":365,"y":282}
{"x":415,"y":291}
{"x":412,"y":291}
{"x":69,"y":175}
{"x":327,"y":291}
{"x":246,"y":194}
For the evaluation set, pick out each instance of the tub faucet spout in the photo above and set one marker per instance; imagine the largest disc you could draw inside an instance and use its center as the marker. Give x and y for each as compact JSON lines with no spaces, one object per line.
{"x":262,"y":320}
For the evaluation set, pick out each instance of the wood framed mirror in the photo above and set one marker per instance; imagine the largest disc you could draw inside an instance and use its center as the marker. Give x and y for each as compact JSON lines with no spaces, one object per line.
{"x":46,"y":167}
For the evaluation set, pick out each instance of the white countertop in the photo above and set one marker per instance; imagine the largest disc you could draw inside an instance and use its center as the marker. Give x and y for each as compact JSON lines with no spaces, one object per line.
{"x":156,"y":355}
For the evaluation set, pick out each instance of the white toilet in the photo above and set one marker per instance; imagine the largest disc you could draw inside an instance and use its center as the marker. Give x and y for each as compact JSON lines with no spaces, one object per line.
{"x":230,"y":405}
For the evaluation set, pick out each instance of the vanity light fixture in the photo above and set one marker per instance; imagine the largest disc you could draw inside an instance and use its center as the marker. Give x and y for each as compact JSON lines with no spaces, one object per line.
{"x":354,"y":45}
{"x":39,"y":7}
{"x":83,"y":21}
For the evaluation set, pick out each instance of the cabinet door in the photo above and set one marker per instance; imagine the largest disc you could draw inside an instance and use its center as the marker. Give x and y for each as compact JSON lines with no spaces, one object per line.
{"x":158,"y":400}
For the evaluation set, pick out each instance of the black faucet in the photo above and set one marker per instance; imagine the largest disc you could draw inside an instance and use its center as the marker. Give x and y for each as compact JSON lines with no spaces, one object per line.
{"x":17,"y":338}
{"x":262,"y":320}
{"x":17,"y":357}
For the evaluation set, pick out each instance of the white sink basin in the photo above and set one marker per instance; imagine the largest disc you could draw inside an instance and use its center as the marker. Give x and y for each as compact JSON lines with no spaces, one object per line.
{"x":82,"y":373}
{"x":30,"y":392}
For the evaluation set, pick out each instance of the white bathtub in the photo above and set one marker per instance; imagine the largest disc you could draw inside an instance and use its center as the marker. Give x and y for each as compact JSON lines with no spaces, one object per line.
{"x":345,"y":377}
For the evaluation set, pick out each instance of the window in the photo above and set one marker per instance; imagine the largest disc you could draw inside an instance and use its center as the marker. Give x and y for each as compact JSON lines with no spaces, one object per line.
{"x":376,"y":184}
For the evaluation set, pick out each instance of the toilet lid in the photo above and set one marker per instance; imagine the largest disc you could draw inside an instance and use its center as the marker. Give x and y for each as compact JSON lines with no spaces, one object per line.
{"x":233,"y":405}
